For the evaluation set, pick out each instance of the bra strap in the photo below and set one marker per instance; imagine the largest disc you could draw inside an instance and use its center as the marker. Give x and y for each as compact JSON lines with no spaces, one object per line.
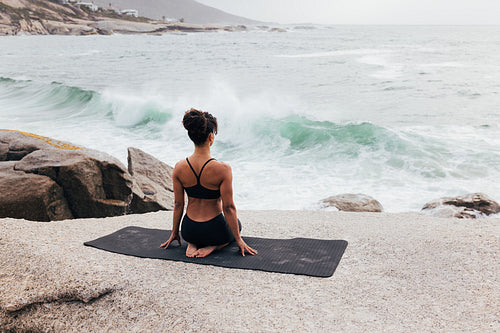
{"x":204,"y":167}
{"x":198,"y":176}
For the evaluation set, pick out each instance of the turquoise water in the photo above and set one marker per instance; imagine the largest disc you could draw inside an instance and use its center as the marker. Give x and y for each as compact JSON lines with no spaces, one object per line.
{"x":404,"y":114}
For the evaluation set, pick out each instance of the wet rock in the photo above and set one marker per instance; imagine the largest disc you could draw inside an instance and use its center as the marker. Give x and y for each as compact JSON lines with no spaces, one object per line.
{"x":233,"y":28}
{"x":304,"y":27}
{"x":153,"y":188}
{"x":352,"y":203}
{"x":472,"y":205}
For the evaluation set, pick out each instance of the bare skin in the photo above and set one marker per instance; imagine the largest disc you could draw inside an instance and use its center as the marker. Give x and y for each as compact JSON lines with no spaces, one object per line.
{"x":191,"y":250}
{"x":216,"y":175}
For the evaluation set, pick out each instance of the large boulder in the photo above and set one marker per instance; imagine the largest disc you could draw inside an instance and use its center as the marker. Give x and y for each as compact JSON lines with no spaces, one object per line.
{"x":472,"y":205}
{"x":152,"y":189}
{"x":352,"y":203}
{"x":29,"y":196}
{"x":94,"y":184}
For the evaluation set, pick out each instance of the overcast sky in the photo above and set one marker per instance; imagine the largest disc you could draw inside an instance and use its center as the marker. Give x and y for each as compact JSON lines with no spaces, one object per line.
{"x":365,"y":11}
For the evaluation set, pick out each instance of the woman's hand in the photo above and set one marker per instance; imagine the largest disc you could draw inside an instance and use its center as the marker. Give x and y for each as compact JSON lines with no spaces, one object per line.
{"x":173,"y":236}
{"x":245,"y":248}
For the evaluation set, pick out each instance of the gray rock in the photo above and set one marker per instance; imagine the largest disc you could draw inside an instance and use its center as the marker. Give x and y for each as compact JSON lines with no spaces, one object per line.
{"x":14,"y":145}
{"x":31,"y":197}
{"x":66,"y":28}
{"x":153,"y":188}
{"x":4,"y":149}
{"x":94,"y":184}
{"x":233,"y":28}
{"x":352,"y":203}
{"x":472,"y":205}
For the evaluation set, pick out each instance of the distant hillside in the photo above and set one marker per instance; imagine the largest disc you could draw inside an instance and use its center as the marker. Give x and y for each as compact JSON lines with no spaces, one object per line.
{"x":43,"y":17}
{"x":190,"y":10}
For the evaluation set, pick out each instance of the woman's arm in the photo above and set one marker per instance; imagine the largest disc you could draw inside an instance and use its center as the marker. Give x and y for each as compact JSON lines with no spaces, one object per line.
{"x":178,"y":208}
{"x":229,"y":208}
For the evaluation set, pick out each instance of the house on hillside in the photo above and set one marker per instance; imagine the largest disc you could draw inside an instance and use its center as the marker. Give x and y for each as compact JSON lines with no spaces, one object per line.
{"x":93,"y":7}
{"x":131,"y":12}
{"x":111,"y":8}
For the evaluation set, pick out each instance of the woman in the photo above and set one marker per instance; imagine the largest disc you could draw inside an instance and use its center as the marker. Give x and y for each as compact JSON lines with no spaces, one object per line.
{"x":208,"y":185}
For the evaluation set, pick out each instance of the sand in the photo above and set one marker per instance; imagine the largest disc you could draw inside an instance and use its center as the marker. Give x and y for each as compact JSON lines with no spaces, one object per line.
{"x":400,"y":273}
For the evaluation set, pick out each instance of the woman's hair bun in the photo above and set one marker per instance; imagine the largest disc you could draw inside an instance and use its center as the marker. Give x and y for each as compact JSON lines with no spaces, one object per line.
{"x":194,"y":120}
{"x":199,"y":125}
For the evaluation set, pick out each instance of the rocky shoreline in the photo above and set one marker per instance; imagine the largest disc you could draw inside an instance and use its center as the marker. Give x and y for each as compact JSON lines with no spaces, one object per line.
{"x":106,"y":26}
{"x":44,"y":179}
{"x":21,"y":17}
{"x":403,"y":272}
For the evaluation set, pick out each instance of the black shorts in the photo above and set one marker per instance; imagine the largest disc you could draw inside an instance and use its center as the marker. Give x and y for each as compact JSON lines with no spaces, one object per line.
{"x":213,"y":232}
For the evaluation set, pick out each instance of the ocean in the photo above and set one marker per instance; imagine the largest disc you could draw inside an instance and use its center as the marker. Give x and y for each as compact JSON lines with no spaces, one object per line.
{"x":405,"y":114}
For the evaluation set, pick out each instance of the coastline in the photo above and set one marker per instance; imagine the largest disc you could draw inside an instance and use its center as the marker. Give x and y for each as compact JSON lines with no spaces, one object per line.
{"x":22,"y":17}
{"x":400,"y":271}
{"x":109,"y":26}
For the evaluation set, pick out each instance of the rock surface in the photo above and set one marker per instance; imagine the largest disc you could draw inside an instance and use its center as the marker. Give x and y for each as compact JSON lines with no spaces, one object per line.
{"x":472,"y":205}
{"x":58,"y":180}
{"x":352,"y":203}
{"x":24,"y":17}
{"x":400,"y":273}
{"x":152,"y":189}
{"x":30,"y":196}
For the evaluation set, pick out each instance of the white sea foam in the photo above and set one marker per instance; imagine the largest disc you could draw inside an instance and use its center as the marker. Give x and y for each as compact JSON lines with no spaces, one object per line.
{"x":391,"y":70}
{"x":335,"y":53}
{"x":444,"y":64}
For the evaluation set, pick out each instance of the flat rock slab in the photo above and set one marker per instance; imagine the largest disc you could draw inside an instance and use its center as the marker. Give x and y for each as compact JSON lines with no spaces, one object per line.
{"x":303,"y":256}
{"x":400,"y":273}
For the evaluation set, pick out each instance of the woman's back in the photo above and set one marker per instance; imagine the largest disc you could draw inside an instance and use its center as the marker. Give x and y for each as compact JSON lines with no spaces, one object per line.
{"x":201,"y":178}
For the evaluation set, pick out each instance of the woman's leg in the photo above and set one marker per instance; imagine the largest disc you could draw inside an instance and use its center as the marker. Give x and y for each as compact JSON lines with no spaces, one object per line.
{"x":224,"y":233}
{"x":188,"y":232}
{"x":198,"y":234}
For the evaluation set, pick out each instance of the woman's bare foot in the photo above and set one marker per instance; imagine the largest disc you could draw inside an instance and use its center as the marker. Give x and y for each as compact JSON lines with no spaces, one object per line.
{"x":191,"y":250}
{"x":205,"y":251}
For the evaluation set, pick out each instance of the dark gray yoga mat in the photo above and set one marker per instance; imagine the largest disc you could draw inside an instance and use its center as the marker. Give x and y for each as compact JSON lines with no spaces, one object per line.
{"x":305,"y":256}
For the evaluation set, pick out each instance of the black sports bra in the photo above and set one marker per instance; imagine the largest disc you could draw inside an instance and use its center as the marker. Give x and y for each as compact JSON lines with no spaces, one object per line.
{"x":198,"y":191}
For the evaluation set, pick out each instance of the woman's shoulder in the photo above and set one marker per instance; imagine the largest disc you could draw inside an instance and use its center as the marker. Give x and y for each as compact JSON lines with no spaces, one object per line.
{"x":180,"y":164}
{"x":222,"y":165}
{"x":221,"y":170}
